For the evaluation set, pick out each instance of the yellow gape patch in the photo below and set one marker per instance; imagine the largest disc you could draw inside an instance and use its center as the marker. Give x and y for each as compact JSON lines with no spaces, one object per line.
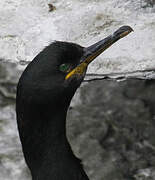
{"x":79,"y":70}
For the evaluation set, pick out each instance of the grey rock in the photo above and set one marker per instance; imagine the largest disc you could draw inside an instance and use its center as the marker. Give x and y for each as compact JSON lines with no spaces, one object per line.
{"x":111,"y":128}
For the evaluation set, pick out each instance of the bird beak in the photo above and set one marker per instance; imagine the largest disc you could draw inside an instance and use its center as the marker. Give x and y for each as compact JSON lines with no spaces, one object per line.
{"x":91,"y":52}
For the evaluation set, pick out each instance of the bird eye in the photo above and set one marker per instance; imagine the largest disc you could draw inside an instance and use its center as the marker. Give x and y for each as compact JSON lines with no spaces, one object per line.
{"x":64,"y":67}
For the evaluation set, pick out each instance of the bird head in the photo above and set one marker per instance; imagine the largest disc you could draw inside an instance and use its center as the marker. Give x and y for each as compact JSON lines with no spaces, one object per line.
{"x":57,"y":71}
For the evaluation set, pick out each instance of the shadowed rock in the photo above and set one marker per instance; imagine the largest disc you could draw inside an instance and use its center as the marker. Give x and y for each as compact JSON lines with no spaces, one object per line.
{"x":111,"y":128}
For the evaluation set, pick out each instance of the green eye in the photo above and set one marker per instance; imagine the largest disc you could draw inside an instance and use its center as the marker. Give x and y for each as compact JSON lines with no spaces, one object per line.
{"x":64,"y":67}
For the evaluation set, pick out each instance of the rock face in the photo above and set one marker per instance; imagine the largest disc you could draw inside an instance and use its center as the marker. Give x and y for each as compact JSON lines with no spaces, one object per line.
{"x":111,"y":125}
{"x":28,"y":26}
{"x":111,"y":128}
{"x":12,"y":164}
{"x":114,"y":129}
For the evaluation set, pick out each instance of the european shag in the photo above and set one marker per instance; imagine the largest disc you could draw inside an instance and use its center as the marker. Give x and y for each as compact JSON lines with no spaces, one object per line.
{"x":44,"y":93}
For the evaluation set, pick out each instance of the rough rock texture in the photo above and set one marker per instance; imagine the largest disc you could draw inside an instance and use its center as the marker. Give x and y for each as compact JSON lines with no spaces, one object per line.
{"x":12,"y":164}
{"x":28,"y":26}
{"x":114,"y":127}
{"x":111,"y":128}
{"x":110,"y":124}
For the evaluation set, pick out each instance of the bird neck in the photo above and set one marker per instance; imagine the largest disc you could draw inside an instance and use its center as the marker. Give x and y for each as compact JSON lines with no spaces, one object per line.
{"x":46,"y":148}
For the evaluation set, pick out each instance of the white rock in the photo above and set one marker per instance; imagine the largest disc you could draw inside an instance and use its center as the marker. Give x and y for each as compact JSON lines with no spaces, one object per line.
{"x":27,"y":26}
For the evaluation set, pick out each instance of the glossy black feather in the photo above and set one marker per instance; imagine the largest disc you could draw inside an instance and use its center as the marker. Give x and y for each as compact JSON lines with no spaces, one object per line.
{"x":43,"y":98}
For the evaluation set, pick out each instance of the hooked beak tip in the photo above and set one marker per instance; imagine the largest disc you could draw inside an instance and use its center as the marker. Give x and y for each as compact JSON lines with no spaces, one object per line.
{"x":123,"y":31}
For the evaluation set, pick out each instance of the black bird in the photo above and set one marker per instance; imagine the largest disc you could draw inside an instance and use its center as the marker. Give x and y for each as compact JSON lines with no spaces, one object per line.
{"x":44,"y":92}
